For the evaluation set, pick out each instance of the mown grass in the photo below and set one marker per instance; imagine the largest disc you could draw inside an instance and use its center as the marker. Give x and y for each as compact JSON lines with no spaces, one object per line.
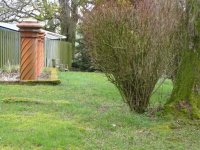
{"x":87,"y":112}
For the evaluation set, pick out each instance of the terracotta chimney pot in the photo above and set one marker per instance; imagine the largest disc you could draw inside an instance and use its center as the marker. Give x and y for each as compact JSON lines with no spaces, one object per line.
{"x":30,"y":34}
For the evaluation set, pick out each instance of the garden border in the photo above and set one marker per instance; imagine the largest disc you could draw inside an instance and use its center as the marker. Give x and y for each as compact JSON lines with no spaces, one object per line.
{"x":53,"y":80}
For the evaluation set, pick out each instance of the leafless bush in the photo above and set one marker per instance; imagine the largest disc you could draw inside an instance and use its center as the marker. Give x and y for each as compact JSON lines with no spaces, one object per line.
{"x":133,"y":44}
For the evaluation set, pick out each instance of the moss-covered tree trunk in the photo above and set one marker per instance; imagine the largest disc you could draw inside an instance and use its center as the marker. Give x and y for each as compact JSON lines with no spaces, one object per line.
{"x":185,"y":98}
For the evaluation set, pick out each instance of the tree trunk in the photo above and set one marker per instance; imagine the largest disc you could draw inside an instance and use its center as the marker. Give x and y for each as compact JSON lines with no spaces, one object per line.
{"x":69,"y":20}
{"x":185,"y":98}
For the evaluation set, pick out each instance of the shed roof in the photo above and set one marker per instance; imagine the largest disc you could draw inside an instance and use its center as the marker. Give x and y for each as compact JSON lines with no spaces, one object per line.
{"x":54,"y":36}
{"x":9,"y":26}
{"x":50,"y":35}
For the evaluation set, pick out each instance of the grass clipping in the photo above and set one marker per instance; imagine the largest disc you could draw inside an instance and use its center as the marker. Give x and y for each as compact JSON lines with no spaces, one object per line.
{"x":32,"y":101}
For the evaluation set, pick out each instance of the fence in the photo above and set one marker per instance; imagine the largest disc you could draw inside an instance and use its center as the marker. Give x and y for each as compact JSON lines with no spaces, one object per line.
{"x":59,"y":50}
{"x":10,"y":49}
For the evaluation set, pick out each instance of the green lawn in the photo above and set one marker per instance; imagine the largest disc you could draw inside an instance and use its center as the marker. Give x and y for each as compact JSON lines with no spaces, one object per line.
{"x":87,"y":112}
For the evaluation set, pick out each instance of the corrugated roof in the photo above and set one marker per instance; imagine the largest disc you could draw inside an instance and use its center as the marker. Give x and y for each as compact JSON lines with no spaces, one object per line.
{"x":50,"y":35}
{"x":54,"y":36}
{"x":9,"y":26}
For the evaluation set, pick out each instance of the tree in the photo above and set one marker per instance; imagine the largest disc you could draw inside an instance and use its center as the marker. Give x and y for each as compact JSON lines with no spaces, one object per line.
{"x":42,"y":10}
{"x":132,"y":43}
{"x":15,"y":10}
{"x":82,"y":60}
{"x":185,"y":98}
{"x":70,"y":14}
{"x":48,"y":12}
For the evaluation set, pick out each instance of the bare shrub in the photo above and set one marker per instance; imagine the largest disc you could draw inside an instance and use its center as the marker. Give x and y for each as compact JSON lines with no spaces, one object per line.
{"x":132,"y":44}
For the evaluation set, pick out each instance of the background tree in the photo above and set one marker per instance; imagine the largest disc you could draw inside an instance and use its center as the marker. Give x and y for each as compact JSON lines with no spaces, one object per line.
{"x":70,"y":14}
{"x":15,"y":10}
{"x":48,"y":12}
{"x":82,"y":60}
{"x":42,"y":10}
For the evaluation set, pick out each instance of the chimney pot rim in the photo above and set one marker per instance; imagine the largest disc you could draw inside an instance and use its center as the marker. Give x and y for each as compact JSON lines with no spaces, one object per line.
{"x":29,"y":25}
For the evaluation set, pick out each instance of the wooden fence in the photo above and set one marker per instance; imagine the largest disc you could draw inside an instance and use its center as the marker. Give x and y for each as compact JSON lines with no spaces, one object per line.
{"x":59,"y":50}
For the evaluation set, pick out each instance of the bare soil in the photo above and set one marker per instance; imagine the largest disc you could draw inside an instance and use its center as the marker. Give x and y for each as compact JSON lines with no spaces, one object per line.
{"x":9,"y":76}
{"x":44,"y":75}
{"x":15,"y":76}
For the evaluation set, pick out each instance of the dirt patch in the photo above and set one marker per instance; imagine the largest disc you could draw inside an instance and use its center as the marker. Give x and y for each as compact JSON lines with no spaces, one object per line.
{"x":9,"y":76}
{"x":15,"y":76}
{"x":44,"y":75}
